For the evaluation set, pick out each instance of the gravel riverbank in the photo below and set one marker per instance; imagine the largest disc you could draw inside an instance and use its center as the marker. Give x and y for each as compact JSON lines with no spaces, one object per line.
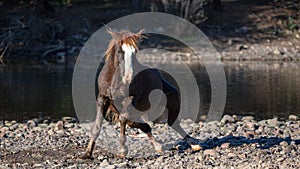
{"x":233,"y":142}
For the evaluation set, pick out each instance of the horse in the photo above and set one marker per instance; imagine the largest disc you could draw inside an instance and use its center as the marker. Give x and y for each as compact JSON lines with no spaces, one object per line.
{"x":117,"y":80}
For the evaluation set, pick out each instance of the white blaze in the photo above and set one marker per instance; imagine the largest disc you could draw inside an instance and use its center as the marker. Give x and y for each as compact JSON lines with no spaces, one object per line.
{"x":128,"y":54}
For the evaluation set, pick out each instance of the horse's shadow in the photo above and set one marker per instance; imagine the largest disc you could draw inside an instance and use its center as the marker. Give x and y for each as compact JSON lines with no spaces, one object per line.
{"x":234,"y":141}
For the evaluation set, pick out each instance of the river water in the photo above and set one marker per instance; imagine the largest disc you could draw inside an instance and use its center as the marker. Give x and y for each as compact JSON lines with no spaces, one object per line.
{"x":261,"y":89}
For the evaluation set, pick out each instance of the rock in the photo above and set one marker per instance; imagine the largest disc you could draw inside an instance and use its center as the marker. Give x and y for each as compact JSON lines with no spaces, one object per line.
{"x":4,"y":167}
{"x":259,"y":130}
{"x":13,"y":127}
{"x":69,"y":125}
{"x":104,"y":164}
{"x":2,"y":134}
{"x":50,"y":132}
{"x":249,"y":134}
{"x":280,"y":159}
{"x":4,"y":129}
{"x":227,"y":119}
{"x":69,"y":119}
{"x":248,"y":118}
{"x":200,"y":157}
{"x":43,"y":125}
{"x":36,"y":128}
{"x":276,"y":52}
{"x":284,"y":144}
{"x":109,"y":167}
{"x":38,"y":166}
{"x":46,"y":121}
{"x":72,"y":167}
{"x":60,"y":132}
{"x":293,"y":118}
{"x":210,"y":152}
{"x":273,"y":122}
{"x":32,"y":123}
{"x":9,"y":134}
{"x":231,"y":155}
{"x":7,"y":123}
{"x":225,"y":145}
{"x":59,"y":125}
{"x":250,"y":125}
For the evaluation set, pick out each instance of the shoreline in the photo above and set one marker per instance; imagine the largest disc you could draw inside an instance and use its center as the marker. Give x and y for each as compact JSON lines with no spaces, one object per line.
{"x":231,"y":142}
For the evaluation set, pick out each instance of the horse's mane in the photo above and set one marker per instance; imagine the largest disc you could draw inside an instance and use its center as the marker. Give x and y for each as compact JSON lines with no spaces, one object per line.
{"x":121,"y":37}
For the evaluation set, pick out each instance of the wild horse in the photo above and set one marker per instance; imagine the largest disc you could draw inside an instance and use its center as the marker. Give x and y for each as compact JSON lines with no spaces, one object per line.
{"x":118,"y":80}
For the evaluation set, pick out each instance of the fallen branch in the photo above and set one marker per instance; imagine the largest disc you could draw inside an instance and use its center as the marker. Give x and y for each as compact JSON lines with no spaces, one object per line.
{"x":2,"y":54}
{"x":53,"y":49}
{"x":15,"y":27}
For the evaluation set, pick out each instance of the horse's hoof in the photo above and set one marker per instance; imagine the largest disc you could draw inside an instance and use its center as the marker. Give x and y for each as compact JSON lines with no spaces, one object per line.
{"x":119,"y":155}
{"x":158,"y":147}
{"x":196,"y":147}
{"x":85,"y":156}
{"x":122,"y":152}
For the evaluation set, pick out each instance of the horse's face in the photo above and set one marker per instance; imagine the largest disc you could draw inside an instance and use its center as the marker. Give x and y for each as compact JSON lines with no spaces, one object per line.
{"x":124,"y":58}
{"x":127,"y":66}
{"x":122,"y":48}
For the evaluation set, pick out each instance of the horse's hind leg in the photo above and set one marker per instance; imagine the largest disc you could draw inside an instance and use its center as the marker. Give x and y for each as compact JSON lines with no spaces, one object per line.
{"x":173,"y":106}
{"x":100,"y":107}
{"x":146,"y":129}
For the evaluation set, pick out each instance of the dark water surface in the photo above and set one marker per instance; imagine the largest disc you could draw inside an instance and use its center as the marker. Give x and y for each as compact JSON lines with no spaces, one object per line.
{"x":261,"y":89}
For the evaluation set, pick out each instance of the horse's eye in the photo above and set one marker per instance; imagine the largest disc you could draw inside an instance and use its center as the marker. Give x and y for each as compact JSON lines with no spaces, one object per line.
{"x":120,"y":51}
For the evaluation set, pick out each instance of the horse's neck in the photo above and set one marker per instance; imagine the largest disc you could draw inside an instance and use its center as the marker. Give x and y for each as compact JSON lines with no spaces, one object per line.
{"x":107,"y":71}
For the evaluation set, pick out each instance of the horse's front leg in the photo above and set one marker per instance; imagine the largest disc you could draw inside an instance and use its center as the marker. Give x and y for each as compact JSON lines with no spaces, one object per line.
{"x":96,"y":128}
{"x":123,"y":150}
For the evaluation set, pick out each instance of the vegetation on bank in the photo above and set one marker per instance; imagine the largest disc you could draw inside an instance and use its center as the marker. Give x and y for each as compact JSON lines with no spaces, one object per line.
{"x":54,"y":31}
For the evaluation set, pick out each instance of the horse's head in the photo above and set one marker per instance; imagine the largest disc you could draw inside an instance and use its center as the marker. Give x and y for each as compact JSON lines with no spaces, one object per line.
{"x":121,"y":50}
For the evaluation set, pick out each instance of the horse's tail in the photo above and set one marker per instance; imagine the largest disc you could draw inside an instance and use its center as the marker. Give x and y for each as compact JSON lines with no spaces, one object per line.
{"x":111,"y":114}
{"x":169,"y":88}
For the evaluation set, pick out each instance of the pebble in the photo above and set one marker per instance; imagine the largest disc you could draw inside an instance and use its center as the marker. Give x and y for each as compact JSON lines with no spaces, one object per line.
{"x":210,"y":152}
{"x":248,"y":118}
{"x":284,"y":143}
{"x":4,"y":167}
{"x":280,"y":159}
{"x":227,"y":119}
{"x":104,"y":164}
{"x":251,"y":125}
{"x":231,"y":155}
{"x":9,"y":133}
{"x":293,"y":118}
{"x":32,"y":123}
{"x":60,"y":132}
{"x":59,"y":125}
{"x":224,"y":145}
{"x":42,"y":125}
{"x":273,"y":122}
{"x":69,"y":119}
{"x":69,"y":125}
{"x":276,"y":52}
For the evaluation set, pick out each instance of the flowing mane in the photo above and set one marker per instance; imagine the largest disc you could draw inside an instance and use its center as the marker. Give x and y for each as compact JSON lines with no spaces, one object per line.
{"x":122,"y":37}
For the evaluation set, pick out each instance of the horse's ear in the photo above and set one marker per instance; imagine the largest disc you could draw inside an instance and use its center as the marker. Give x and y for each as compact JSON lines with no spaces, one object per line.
{"x":112,"y":33}
{"x":140,"y":35}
